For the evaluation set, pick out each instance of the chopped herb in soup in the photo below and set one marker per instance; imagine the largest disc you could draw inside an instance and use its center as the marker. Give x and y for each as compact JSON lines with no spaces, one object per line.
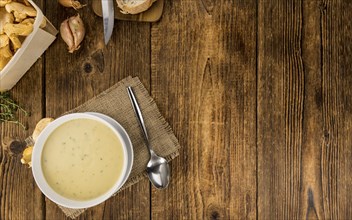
{"x":82,"y":159}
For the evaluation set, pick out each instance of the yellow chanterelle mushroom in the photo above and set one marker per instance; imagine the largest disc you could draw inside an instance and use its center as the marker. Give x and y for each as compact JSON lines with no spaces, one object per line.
{"x":5,"y":17}
{"x":20,"y":11}
{"x":27,"y":156}
{"x":27,"y":153}
{"x":4,"y":2}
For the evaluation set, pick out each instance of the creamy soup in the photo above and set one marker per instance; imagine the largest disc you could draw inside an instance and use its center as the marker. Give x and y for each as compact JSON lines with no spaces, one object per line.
{"x":82,"y":159}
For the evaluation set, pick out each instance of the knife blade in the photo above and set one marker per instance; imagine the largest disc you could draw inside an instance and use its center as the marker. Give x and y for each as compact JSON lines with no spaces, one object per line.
{"x":108,"y":18}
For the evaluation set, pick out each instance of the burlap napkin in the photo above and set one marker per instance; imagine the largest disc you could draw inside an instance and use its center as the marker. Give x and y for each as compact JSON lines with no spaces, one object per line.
{"x":115,"y":103}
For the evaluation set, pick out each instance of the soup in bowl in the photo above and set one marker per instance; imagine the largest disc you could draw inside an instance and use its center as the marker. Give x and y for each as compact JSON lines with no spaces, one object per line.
{"x":82,"y":159}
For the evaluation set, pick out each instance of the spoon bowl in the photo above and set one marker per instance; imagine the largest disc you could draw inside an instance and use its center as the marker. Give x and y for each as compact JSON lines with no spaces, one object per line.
{"x":158,"y":171}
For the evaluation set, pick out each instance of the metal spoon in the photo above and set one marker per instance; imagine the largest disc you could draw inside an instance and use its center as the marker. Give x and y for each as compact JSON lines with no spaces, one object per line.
{"x":157,"y":168}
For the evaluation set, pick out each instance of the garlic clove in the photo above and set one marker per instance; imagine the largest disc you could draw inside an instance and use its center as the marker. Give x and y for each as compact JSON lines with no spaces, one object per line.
{"x":77,"y":29}
{"x":67,"y":36}
{"x":72,"y":32}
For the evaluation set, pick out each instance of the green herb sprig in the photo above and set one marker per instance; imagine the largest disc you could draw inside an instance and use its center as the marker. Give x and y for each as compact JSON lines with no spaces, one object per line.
{"x":9,"y":108}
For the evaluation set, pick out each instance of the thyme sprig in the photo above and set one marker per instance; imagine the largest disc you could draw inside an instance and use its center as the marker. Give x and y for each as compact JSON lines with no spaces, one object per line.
{"x":9,"y":108}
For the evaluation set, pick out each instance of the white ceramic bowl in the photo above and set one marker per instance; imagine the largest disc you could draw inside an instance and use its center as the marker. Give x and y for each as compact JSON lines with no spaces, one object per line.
{"x":37,"y":165}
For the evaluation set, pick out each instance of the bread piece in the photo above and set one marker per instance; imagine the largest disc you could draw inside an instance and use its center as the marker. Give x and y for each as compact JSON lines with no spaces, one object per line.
{"x":134,"y":6}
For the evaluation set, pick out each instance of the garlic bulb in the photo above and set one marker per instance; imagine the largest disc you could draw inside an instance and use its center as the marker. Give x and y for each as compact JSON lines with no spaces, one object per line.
{"x":72,"y":31}
{"x":71,"y":4}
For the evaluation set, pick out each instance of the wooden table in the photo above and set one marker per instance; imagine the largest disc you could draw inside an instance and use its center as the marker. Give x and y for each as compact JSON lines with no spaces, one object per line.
{"x":257,"y":92}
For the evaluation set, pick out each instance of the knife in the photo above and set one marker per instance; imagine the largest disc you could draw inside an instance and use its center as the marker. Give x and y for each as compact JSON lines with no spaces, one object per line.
{"x":108,"y":18}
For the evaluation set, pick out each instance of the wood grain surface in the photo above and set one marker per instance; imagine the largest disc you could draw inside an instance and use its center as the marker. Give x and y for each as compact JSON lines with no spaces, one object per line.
{"x":257,"y":92}
{"x":204,"y":81}
{"x":304,"y":157}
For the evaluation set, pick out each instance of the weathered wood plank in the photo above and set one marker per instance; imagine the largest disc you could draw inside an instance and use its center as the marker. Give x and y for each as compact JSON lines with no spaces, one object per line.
{"x":19,"y":196}
{"x":72,"y":79}
{"x":336,"y":105}
{"x":204,"y":81}
{"x":280,"y":109}
{"x":311,"y":196}
{"x":304,"y":148}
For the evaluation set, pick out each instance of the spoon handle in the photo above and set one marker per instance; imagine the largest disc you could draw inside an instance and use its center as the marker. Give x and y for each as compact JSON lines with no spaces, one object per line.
{"x":138,"y":113}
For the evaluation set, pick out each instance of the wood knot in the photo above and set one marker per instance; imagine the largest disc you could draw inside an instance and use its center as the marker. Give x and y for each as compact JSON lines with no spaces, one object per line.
{"x":87,"y":68}
{"x":213,"y":212}
{"x":326,"y":134}
{"x":13,"y":146}
{"x":214,"y":215}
